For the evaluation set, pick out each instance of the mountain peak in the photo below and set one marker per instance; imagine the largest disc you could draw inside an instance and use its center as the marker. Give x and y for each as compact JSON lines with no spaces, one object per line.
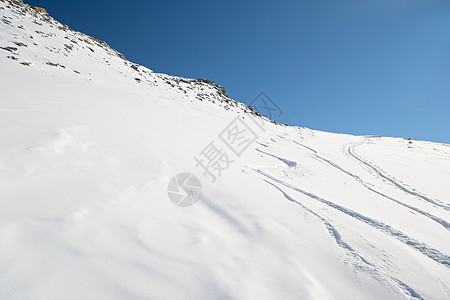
{"x":43,"y":40}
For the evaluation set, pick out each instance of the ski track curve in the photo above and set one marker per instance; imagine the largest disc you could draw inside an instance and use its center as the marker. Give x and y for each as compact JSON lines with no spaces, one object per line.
{"x":435,"y":255}
{"x":438,"y":220}
{"x":365,"y":265}
{"x":350,"y":150}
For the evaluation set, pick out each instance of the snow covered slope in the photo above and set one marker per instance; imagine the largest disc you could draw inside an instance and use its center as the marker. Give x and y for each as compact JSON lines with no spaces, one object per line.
{"x":90,"y":141}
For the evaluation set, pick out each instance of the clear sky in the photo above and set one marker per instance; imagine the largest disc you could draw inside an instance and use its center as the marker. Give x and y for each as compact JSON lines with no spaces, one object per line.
{"x":378,"y":67}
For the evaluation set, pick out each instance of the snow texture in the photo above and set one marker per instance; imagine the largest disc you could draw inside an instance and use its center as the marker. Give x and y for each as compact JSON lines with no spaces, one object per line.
{"x":89,"y":142}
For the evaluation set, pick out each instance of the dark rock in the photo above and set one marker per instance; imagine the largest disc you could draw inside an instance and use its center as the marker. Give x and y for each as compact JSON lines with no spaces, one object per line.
{"x":55,"y":65}
{"x":10,"y":49}
{"x":20,"y":44}
{"x":39,"y":9}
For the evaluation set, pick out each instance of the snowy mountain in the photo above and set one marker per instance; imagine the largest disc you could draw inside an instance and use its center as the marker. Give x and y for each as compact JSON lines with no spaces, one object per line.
{"x":92,"y":208}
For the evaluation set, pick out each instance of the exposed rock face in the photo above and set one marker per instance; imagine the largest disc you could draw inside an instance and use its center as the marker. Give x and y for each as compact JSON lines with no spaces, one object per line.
{"x":39,"y":9}
{"x":66,"y":42}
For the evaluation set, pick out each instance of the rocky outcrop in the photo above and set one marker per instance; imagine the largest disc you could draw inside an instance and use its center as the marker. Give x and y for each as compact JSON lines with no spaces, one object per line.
{"x":39,"y":9}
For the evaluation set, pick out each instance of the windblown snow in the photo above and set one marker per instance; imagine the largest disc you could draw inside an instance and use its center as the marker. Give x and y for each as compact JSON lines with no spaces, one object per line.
{"x":89,"y":142}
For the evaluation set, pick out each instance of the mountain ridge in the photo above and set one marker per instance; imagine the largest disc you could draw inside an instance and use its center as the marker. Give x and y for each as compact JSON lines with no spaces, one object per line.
{"x":40,"y":16}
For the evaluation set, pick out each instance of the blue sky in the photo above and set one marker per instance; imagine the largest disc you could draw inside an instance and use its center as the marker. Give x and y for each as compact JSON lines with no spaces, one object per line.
{"x":378,"y":67}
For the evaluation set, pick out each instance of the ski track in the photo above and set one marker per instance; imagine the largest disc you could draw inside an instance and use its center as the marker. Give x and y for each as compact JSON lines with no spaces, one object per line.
{"x":289,"y":163}
{"x":351,"y":151}
{"x":431,"y":253}
{"x":438,"y":220}
{"x":365,"y":265}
